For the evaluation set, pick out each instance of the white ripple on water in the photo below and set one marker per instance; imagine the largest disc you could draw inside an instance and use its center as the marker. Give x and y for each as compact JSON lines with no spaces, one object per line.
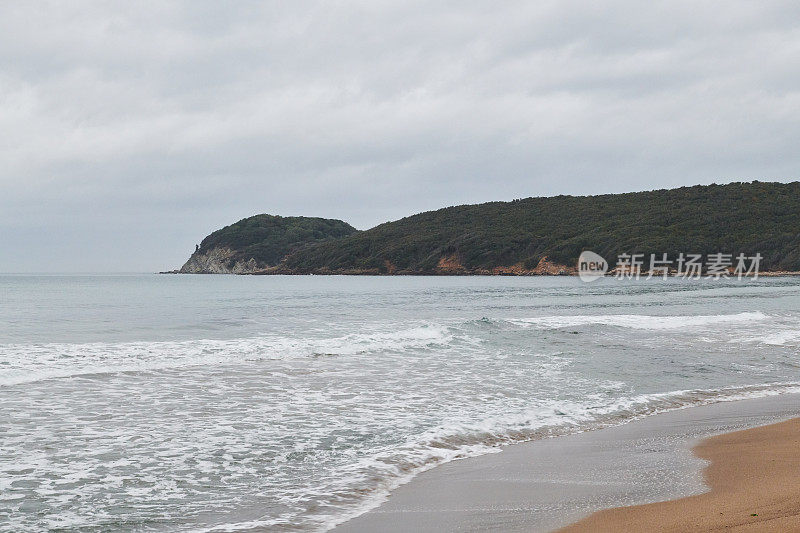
{"x":27,"y":363}
{"x":646,"y":322}
{"x":786,"y":337}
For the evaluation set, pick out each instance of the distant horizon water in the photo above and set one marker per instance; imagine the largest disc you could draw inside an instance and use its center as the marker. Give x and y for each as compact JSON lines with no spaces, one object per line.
{"x":151,"y":402}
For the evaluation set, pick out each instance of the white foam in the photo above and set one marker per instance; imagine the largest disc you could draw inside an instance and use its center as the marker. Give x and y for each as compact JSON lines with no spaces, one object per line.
{"x":27,"y":363}
{"x":651,"y":322}
{"x":571,"y":417}
{"x":778,"y":338}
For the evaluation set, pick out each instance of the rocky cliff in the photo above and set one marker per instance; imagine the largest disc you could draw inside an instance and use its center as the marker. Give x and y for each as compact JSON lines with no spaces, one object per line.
{"x":219,"y":261}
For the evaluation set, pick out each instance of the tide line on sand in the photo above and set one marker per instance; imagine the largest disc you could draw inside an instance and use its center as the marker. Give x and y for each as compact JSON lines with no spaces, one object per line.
{"x":754,"y":477}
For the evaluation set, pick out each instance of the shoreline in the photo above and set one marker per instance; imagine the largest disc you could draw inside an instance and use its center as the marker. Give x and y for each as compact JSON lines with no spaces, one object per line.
{"x":552,"y":483}
{"x":753,"y":486}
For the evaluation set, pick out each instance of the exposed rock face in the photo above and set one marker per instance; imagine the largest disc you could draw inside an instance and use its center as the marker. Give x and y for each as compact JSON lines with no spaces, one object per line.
{"x":545,"y":267}
{"x":218,"y":261}
{"x":549,"y":268}
{"x":450,"y":264}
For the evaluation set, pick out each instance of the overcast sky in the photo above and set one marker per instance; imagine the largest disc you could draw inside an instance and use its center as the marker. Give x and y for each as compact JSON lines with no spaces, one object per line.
{"x":130,"y":130}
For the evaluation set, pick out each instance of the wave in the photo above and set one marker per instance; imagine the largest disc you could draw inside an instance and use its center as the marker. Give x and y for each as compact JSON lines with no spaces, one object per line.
{"x":549,"y":419}
{"x":27,"y":363}
{"x":779,"y":338}
{"x":558,"y":418}
{"x":649,"y":322}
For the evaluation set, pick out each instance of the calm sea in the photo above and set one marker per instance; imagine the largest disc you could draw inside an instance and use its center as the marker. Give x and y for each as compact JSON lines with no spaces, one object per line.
{"x":224,"y":403}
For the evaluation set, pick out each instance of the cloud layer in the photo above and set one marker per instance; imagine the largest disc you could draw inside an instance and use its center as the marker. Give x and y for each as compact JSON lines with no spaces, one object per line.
{"x":132,"y":130}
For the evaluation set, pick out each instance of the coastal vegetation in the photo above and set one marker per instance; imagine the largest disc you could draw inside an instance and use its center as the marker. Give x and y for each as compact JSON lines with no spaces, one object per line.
{"x":262,"y":241}
{"x":534,"y":235}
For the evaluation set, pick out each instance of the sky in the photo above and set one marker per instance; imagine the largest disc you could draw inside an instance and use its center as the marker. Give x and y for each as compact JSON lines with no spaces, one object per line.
{"x":131,"y":130}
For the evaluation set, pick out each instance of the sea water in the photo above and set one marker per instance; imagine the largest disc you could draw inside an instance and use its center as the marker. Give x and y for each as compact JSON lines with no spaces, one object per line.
{"x":237,"y":403}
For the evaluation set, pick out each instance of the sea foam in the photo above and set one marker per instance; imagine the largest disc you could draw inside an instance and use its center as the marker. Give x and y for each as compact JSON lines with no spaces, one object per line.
{"x":651,"y":322}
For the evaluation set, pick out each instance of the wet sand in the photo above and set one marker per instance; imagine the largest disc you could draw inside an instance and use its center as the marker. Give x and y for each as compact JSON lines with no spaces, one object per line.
{"x":551,"y":483}
{"x":754,"y":476}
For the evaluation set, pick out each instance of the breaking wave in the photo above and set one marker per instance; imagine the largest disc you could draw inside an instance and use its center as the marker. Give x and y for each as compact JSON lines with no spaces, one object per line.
{"x":26,"y":363}
{"x":651,"y":322}
{"x":548,"y":419}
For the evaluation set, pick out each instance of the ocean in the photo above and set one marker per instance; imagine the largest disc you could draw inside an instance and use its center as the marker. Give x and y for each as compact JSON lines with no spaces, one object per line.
{"x":274,"y":403}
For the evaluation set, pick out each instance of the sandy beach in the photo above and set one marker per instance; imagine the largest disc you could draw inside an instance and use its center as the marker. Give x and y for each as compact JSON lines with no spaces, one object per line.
{"x":549,"y":484}
{"x":754,"y":476}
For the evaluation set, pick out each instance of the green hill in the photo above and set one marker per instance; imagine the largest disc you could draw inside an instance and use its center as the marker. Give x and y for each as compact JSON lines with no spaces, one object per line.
{"x":546,"y":235}
{"x":260,"y":242}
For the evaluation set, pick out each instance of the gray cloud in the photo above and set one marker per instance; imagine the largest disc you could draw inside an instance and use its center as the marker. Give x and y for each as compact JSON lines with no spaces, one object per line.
{"x":132,"y":130}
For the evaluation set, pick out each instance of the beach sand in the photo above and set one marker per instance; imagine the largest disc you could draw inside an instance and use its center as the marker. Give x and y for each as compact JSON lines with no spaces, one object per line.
{"x":754,"y":478}
{"x":552,"y":483}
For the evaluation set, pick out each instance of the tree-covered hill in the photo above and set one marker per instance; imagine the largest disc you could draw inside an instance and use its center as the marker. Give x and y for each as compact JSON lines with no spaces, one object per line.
{"x":536,"y":235}
{"x":734,"y":218}
{"x":260,"y":242}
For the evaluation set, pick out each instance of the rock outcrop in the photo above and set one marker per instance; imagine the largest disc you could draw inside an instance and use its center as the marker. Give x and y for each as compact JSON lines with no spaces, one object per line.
{"x":219,"y":261}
